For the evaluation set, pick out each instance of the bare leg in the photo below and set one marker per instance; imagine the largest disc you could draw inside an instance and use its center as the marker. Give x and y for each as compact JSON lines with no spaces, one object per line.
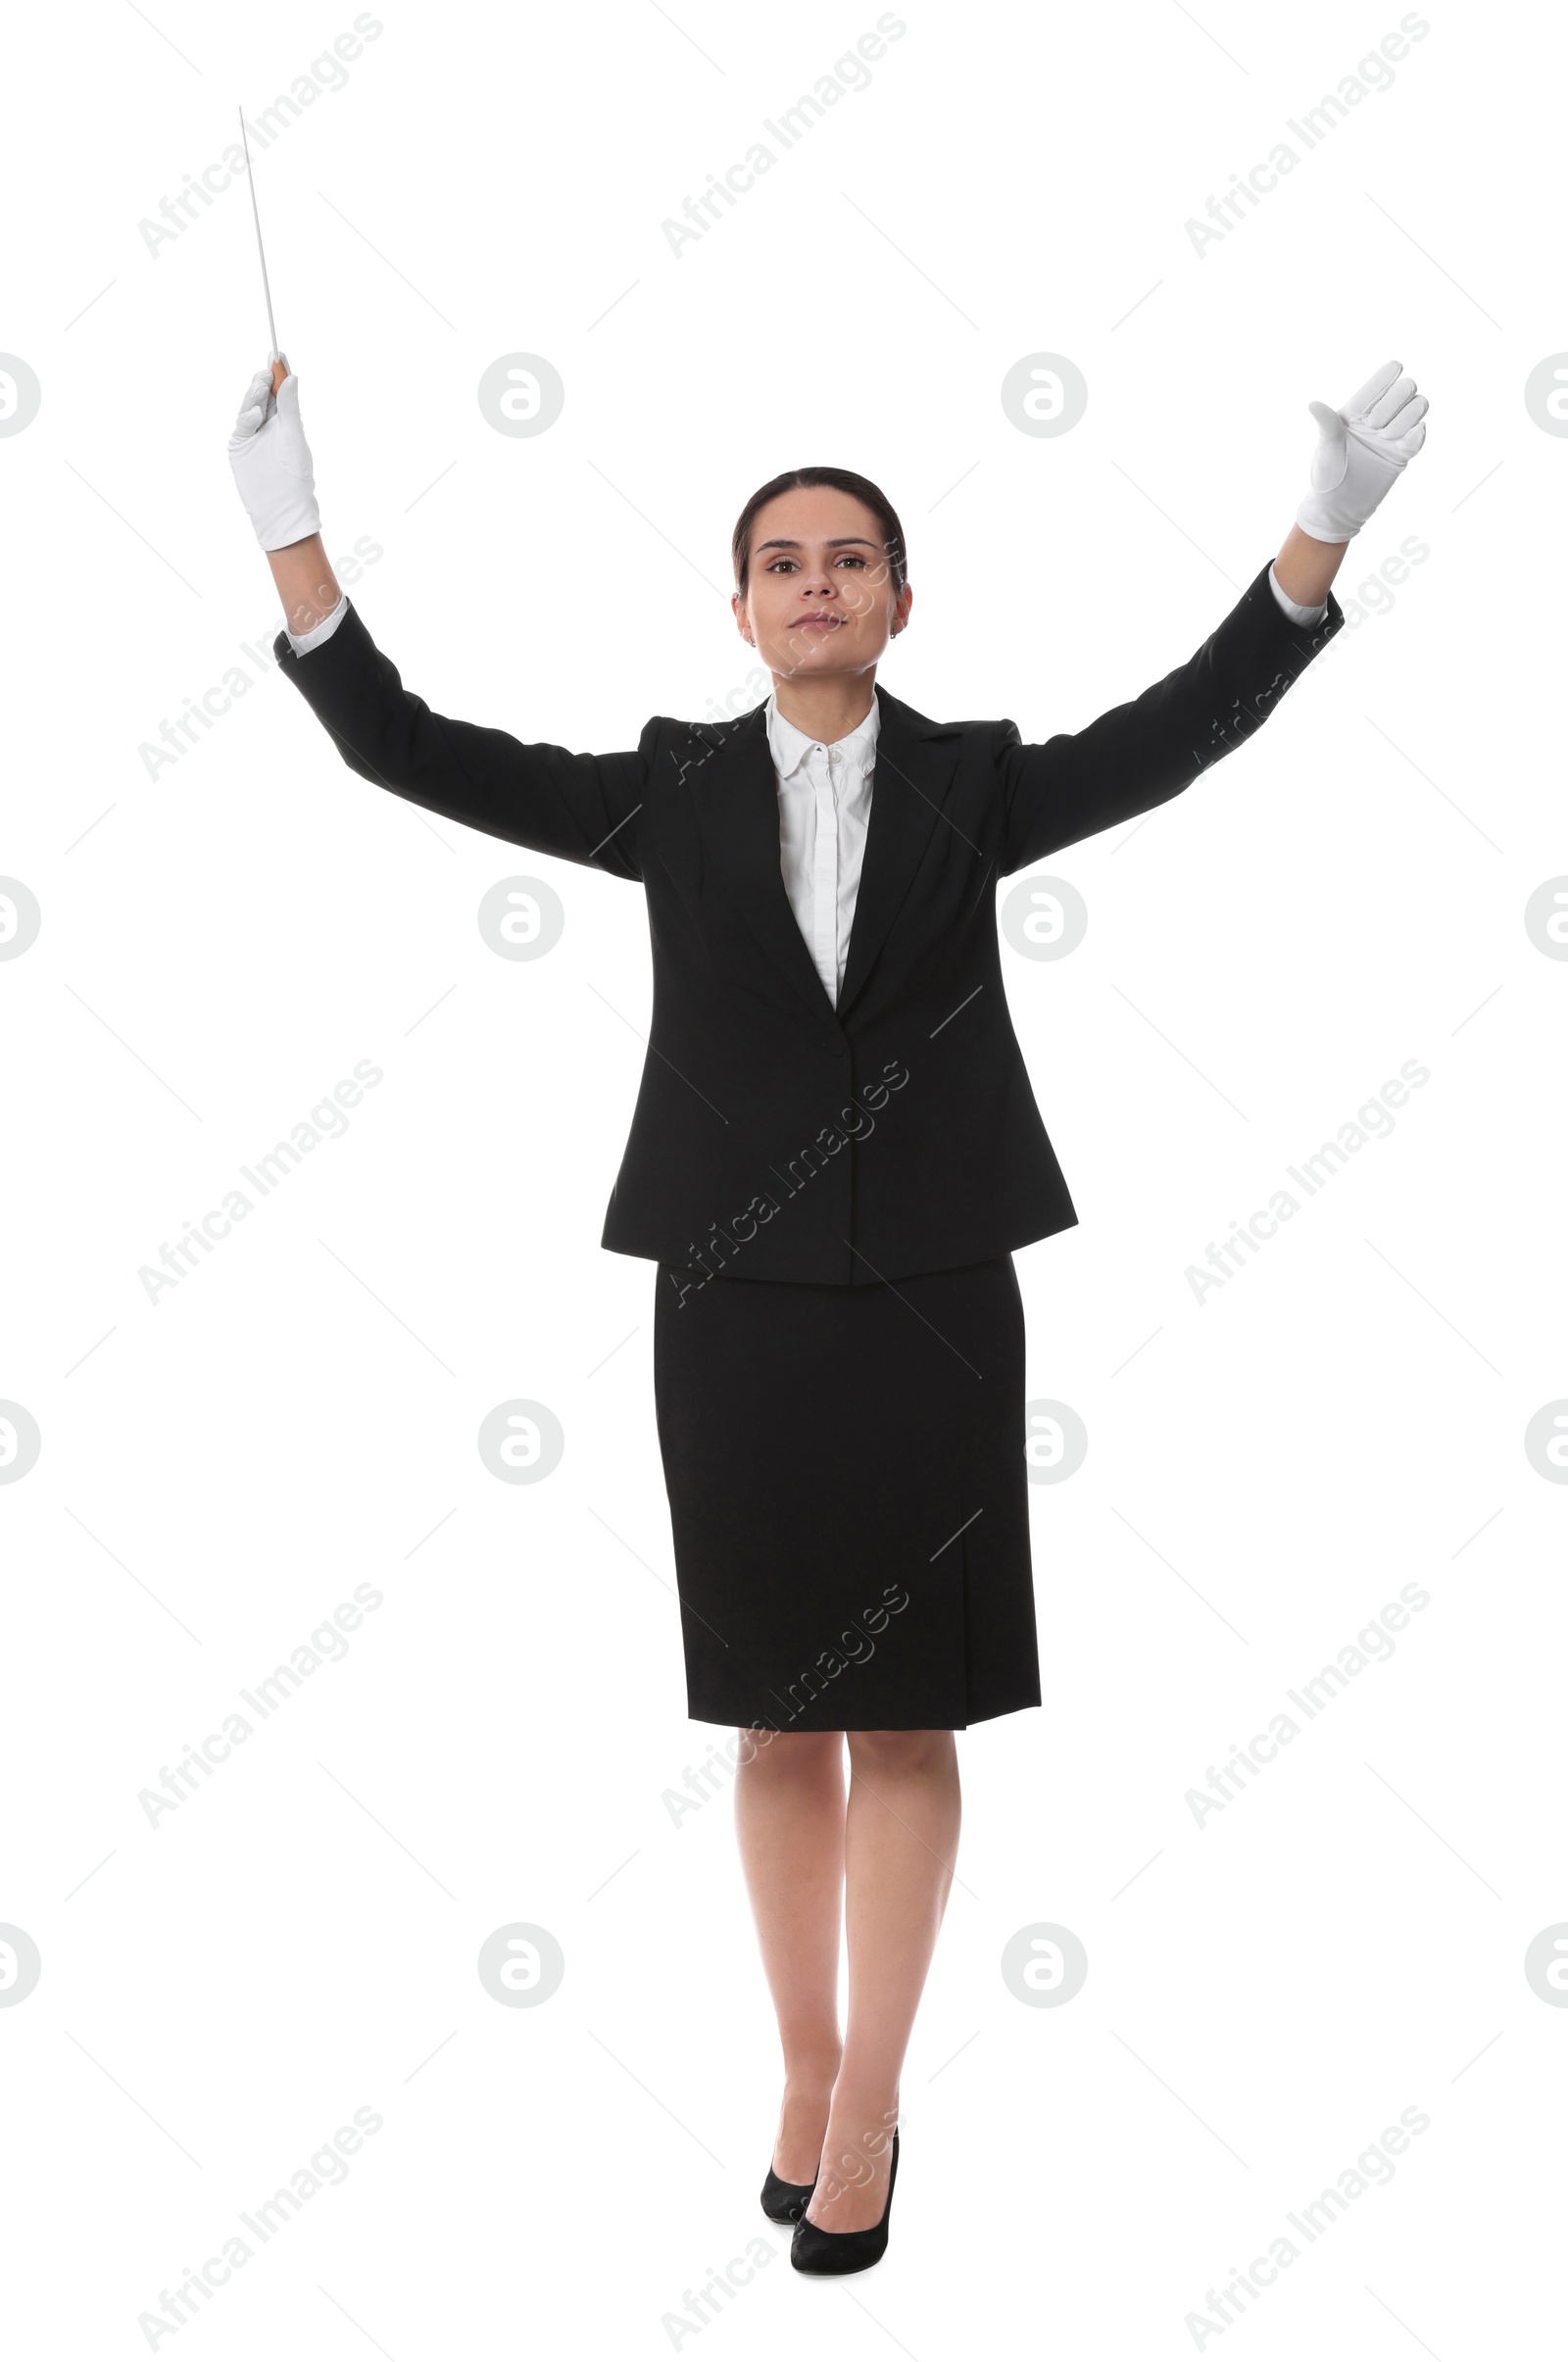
{"x":790,"y":1821}
{"x":901,"y":1836}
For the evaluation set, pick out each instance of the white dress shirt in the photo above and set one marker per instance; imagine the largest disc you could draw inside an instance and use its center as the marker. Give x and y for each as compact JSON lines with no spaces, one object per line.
{"x":825,"y":808}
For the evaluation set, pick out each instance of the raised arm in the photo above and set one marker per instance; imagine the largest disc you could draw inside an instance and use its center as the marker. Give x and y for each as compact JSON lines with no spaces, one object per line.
{"x":579,"y":808}
{"x":1141,"y":754}
{"x":1146,"y":751}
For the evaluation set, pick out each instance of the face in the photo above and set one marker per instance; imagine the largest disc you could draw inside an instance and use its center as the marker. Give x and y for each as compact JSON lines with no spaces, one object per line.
{"x":820,"y":596}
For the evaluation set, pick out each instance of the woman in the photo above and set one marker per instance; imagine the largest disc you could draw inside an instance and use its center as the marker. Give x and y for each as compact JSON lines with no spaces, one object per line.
{"x":834,"y":1153}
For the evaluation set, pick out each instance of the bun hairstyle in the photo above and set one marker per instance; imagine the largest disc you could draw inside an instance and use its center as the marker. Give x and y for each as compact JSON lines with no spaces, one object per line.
{"x":837,"y":480}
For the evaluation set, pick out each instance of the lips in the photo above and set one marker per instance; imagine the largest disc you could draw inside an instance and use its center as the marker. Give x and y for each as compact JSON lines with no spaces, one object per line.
{"x":820,"y":622}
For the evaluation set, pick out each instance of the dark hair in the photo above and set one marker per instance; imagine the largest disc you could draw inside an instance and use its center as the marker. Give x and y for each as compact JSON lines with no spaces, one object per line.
{"x":837,"y":480}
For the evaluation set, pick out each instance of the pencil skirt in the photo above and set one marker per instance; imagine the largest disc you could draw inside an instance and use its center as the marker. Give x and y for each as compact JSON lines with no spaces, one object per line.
{"x":849,"y":1498}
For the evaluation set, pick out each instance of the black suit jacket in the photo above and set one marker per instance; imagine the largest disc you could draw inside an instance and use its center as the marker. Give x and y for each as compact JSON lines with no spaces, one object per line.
{"x":776,"y":1136}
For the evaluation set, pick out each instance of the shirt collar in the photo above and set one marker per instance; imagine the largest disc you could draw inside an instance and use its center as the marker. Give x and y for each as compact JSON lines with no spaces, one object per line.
{"x":790,"y":746}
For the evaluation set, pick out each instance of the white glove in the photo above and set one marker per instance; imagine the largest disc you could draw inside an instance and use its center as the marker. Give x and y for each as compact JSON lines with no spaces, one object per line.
{"x":1361,"y":449}
{"x":271,"y":462}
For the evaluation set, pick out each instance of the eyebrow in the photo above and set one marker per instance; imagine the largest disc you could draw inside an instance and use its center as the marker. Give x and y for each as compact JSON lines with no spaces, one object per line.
{"x":845,"y":541}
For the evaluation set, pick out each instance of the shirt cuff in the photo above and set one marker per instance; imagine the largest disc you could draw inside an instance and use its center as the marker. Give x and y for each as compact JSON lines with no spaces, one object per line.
{"x":1297,"y":614}
{"x":303,"y":641}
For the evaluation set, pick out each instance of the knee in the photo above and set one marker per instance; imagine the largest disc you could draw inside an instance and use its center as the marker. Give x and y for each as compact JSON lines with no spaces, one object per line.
{"x":896,"y":1752}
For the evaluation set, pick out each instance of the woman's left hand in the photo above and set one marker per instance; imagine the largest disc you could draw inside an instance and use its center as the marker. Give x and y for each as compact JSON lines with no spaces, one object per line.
{"x":1362,"y":448}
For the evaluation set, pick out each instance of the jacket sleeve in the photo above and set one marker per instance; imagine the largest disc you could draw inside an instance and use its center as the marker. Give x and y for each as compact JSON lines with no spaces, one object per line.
{"x":580,"y":808}
{"x":1144,"y":753}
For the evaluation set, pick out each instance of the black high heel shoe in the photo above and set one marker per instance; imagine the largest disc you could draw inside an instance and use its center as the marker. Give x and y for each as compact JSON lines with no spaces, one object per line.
{"x":785,"y":2201}
{"x":829,"y":2251}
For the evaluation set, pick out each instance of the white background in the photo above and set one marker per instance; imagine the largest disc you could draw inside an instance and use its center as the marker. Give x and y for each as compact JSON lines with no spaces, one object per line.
{"x":222,"y":942}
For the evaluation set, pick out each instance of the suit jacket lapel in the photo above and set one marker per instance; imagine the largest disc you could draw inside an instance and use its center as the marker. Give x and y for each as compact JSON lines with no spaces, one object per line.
{"x":729,"y":770}
{"x":915,"y":760}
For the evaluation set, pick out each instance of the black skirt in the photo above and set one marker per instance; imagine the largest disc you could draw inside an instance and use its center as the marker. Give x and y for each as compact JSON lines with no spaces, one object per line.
{"x":849,"y":1498}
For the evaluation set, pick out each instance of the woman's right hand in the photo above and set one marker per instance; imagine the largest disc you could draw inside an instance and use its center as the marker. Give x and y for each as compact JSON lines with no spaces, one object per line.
{"x":271,"y":462}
